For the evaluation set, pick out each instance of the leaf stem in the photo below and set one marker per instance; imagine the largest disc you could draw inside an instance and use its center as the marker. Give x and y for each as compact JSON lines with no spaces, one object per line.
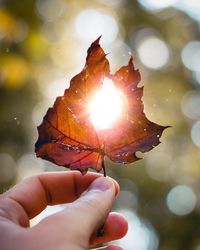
{"x":103,"y":165}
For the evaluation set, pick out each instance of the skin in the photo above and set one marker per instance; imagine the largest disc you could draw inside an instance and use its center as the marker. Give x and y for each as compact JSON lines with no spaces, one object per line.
{"x":90,"y":199}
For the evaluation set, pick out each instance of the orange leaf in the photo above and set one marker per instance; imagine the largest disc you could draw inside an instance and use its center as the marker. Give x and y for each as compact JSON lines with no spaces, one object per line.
{"x":69,"y":138}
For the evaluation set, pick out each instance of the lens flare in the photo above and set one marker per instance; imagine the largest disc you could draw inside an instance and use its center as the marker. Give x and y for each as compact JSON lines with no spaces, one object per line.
{"x":106,"y":106}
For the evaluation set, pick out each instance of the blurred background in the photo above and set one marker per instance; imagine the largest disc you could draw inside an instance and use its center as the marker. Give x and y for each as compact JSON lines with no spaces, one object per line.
{"x":43,"y":45}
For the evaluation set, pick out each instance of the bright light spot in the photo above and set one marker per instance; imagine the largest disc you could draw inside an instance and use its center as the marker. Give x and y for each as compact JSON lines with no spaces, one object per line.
{"x":49,"y":10}
{"x":195,"y":133}
{"x":89,"y":24}
{"x":140,"y":236}
{"x":153,"y":53}
{"x":106,"y":106}
{"x":190,"y":55}
{"x":191,"y":105}
{"x":155,"y":4}
{"x":181,"y":200}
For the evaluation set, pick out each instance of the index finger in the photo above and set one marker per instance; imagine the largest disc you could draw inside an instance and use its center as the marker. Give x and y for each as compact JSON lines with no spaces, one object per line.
{"x":53,"y":188}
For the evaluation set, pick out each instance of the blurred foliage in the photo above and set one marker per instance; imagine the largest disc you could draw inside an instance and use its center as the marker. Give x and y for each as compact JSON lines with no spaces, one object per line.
{"x":43,"y":44}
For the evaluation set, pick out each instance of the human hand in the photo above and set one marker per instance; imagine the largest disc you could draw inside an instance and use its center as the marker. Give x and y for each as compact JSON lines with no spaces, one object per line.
{"x":90,"y":199}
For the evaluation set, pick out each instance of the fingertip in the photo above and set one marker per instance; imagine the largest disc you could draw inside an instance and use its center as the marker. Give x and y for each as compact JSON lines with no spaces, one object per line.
{"x":115,"y":227}
{"x":114,"y":247}
{"x":104,"y":183}
{"x":116,"y":185}
{"x":111,"y":247}
{"x":117,"y":221}
{"x":94,"y":176}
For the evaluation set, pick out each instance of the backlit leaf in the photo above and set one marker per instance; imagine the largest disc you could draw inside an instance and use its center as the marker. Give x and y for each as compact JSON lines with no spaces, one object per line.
{"x":67,"y":135}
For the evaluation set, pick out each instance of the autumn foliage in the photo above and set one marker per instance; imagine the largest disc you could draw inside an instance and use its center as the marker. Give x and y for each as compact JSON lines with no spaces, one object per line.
{"x":67,"y":136}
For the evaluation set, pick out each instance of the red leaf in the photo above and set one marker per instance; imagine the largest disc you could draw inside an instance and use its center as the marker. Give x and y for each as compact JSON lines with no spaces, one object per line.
{"x":67,"y":135}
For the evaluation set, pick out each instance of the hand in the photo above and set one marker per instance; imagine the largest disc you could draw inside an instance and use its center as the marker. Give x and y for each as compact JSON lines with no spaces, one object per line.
{"x":90,"y":199}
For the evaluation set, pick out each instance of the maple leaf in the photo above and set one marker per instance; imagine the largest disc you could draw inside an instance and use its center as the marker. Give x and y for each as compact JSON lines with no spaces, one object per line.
{"x":69,"y":138}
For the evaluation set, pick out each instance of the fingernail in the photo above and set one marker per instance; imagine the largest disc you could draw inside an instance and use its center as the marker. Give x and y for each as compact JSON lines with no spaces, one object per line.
{"x":101,"y":183}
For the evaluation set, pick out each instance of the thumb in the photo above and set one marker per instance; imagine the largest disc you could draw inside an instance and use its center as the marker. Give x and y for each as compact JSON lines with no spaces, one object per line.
{"x":79,"y":220}
{"x":89,"y":212}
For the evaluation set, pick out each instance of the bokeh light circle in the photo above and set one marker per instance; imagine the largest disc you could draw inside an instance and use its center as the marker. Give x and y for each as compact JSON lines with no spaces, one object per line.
{"x":90,"y":24}
{"x":181,"y":200}
{"x":190,"y":55}
{"x":190,"y":104}
{"x":141,"y":234}
{"x":153,"y":53}
{"x":195,"y":133}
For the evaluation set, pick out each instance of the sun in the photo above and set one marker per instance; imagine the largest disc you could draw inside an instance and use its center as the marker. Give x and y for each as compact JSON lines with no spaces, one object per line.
{"x":106,"y":106}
